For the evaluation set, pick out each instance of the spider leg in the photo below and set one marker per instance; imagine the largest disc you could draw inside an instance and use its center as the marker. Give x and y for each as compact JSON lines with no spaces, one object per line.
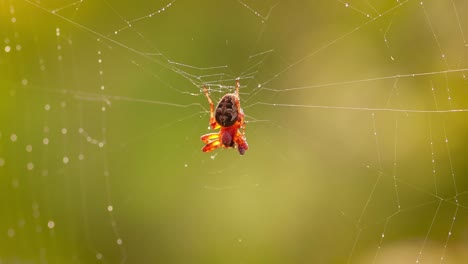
{"x":213,"y":123}
{"x":242,"y":145}
{"x":208,"y":138}
{"x":211,"y":146}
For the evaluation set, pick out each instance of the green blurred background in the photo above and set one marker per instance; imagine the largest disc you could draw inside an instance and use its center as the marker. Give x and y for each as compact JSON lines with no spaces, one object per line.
{"x":101,"y":112}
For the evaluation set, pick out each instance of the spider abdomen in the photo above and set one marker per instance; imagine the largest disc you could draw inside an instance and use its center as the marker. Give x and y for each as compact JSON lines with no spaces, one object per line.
{"x":226,"y":112}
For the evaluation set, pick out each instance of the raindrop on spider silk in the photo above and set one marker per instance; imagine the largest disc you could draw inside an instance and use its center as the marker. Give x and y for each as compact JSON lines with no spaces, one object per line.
{"x":7,"y":49}
{"x":110,"y":208}
{"x":65,"y":160}
{"x":15,"y":183}
{"x":47,"y":107}
{"x":81,"y":157}
{"x":64,"y":131}
{"x":30,"y":166}
{"x":98,"y":256}
{"x":2,"y":162}
{"x":28,"y":148}
{"x":24,"y":81}
{"x":51,"y":224}
{"x":185,"y":165}
{"x":119,"y":241}
{"x":45,"y":141}
{"x":11,"y":232}
{"x":13,"y":137}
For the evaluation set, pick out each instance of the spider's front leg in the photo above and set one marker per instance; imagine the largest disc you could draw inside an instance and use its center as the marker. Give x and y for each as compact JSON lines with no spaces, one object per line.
{"x":241,"y":142}
{"x":213,"y":123}
{"x":211,"y":140}
{"x":208,"y":138}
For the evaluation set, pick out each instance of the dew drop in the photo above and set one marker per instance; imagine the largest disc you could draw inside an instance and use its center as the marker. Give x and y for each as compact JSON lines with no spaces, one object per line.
{"x":50,"y":224}
{"x":11,"y":232}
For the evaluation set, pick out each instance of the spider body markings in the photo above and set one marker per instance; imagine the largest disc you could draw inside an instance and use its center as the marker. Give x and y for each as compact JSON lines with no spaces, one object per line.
{"x":229,"y":118}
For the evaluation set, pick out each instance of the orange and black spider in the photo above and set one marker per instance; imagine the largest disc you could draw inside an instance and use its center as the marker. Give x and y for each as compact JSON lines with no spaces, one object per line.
{"x":230,"y":118}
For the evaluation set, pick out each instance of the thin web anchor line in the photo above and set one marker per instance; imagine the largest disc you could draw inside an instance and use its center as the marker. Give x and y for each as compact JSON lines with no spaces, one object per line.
{"x":361,"y":108}
{"x":398,"y":76}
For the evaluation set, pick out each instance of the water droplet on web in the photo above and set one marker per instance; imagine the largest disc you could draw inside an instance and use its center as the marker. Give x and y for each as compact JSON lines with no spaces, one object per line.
{"x":30,"y":166}
{"x":119,"y":241}
{"x":2,"y":162}
{"x":110,"y":208}
{"x":50,"y":224}
{"x":98,"y":256}
{"x":45,"y":141}
{"x":15,"y":183}
{"x":346,"y":4}
{"x":81,"y":157}
{"x":13,"y":137}
{"x":11,"y":232}
{"x":65,"y":160}
{"x":28,"y":148}
{"x":185,"y":165}
{"x":64,"y":131}
{"x":7,"y":49}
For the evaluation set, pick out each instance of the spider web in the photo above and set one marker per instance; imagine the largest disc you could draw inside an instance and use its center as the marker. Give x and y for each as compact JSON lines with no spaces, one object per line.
{"x":356,"y":122}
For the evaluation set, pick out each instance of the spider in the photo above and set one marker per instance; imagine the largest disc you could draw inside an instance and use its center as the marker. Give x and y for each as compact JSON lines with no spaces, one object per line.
{"x":230,"y":118}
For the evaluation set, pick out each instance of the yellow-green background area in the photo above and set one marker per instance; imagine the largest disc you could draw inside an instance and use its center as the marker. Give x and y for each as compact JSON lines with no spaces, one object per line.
{"x":317,"y":184}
